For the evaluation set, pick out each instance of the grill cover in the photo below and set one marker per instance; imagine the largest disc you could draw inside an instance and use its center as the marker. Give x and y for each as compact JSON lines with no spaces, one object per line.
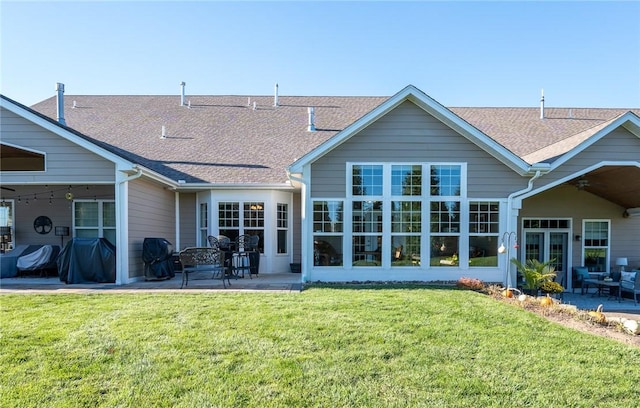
{"x":157,"y":257}
{"x":87,"y":260}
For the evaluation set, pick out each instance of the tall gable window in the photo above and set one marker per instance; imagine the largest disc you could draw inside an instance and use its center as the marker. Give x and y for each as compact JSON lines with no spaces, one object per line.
{"x":14,"y":158}
{"x":407,"y":215}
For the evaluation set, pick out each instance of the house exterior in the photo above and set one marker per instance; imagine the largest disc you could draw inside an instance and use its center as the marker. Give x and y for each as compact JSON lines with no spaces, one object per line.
{"x":352,"y":188}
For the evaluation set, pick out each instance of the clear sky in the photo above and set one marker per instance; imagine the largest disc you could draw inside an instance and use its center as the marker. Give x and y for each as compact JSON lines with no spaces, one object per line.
{"x":460,"y":53}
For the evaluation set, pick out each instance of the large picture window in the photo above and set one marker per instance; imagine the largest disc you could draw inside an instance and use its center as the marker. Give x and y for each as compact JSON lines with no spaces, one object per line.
{"x":399,"y":218}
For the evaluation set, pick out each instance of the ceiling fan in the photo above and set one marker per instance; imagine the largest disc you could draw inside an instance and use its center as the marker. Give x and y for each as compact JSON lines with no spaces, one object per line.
{"x":582,"y":182}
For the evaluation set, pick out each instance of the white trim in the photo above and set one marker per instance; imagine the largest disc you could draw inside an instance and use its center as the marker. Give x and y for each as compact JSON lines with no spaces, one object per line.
{"x":573,"y":175}
{"x":629,"y":120}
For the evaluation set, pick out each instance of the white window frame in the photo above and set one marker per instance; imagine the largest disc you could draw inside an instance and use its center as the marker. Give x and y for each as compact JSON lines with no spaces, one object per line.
{"x":426,"y":199}
{"x":100,"y":227}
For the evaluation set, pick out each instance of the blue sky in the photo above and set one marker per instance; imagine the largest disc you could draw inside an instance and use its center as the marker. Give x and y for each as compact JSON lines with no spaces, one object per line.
{"x":460,"y":53}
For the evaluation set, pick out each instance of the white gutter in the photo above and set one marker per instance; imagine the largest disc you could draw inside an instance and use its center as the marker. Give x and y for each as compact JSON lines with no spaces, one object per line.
{"x":510,"y":199}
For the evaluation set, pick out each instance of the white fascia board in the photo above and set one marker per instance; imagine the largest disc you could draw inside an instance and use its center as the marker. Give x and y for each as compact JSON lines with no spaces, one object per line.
{"x":65,"y":134}
{"x":433,"y":107}
{"x":629,"y":121}
{"x":573,"y":175}
{"x":189,"y":187}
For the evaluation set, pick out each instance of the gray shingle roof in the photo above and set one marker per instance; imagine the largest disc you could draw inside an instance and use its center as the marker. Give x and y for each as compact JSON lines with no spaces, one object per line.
{"x":222,"y":139}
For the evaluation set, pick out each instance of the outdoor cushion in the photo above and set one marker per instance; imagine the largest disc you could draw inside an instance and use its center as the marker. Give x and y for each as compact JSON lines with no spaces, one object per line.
{"x":582,"y":272}
{"x":628,"y":276}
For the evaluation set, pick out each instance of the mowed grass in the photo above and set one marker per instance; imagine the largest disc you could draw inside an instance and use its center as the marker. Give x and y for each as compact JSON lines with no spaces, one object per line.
{"x":324,"y":347}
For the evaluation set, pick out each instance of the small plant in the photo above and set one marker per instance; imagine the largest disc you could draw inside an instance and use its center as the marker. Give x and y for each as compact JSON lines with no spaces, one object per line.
{"x":535,"y":273}
{"x":551,"y":287}
{"x":470,"y":283}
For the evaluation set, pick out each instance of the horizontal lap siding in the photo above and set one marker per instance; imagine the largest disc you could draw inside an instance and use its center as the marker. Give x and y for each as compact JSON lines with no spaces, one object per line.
{"x":188,"y":220}
{"x":619,"y":145}
{"x":65,"y":161}
{"x":409,"y":134}
{"x":151,"y":215}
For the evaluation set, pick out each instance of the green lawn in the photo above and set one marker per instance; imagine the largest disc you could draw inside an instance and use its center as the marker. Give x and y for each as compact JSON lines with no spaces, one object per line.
{"x":324,"y":347}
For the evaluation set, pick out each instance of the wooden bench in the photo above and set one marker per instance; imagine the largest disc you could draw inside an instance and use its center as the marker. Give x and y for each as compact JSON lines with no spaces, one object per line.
{"x":203,"y":259}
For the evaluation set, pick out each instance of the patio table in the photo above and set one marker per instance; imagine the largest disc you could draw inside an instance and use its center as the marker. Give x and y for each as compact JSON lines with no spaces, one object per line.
{"x":601,"y":284}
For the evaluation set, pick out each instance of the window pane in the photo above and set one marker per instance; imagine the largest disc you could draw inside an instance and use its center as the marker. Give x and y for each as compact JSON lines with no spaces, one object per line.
{"x":204,"y":215}
{"x":367,"y":180}
{"x":406,"y":180}
{"x":229,"y":215}
{"x":445,"y":216}
{"x":483,"y":251}
{"x":110,"y":235}
{"x":596,"y":259}
{"x":445,"y":180}
{"x":367,"y":250}
{"x":444,"y":251}
{"x":406,"y":216}
{"x":405,"y":251}
{"x":327,"y":216}
{"x":86,"y":214}
{"x":327,"y":250}
{"x":282,"y":241}
{"x":109,"y":215}
{"x":367,"y":216}
{"x":283,"y":215}
{"x":484,"y":217}
{"x":259,"y":233}
{"x":87,"y":233}
{"x":254,"y":215}
{"x":596,"y":233}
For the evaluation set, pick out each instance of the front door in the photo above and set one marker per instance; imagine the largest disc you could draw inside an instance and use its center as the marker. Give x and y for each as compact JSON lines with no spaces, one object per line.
{"x":544,"y":245}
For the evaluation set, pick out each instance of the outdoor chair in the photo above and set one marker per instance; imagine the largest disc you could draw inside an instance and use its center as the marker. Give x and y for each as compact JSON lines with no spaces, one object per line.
{"x":213,"y":242}
{"x":632,"y":287}
{"x":241,"y":261}
{"x":198,"y":260}
{"x":580,"y":275}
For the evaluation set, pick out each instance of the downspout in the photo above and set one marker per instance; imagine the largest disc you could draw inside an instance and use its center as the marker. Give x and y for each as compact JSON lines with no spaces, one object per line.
{"x":517,"y":193}
{"x":122,"y":215}
{"x":303,"y":224}
{"x":509,"y":209}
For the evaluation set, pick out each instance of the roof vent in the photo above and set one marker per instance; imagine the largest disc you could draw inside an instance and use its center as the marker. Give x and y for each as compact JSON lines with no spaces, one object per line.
{"x":312,"y":120}
{"x":60,"y":103}
{"x":275,"y":95}
{"x":182,"y":85}
{"x":254,"y":105}
{"x":164,"y":133}
{"x":542,"y":104}
{"x":75,"y":105}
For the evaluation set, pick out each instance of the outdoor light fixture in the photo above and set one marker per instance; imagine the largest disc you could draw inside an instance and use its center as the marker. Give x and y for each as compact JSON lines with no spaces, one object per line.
{"x":622,"y":262}
{"x":62,"y":232}
{"x":502,"y":249}
{"x":578,"y":237}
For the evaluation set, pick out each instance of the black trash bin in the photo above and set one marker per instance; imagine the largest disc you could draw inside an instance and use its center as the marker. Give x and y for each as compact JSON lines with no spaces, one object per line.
{"x":157,"y":254}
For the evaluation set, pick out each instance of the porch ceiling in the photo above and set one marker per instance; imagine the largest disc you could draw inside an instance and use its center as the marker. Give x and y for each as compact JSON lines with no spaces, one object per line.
{"x":618,"y":184}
